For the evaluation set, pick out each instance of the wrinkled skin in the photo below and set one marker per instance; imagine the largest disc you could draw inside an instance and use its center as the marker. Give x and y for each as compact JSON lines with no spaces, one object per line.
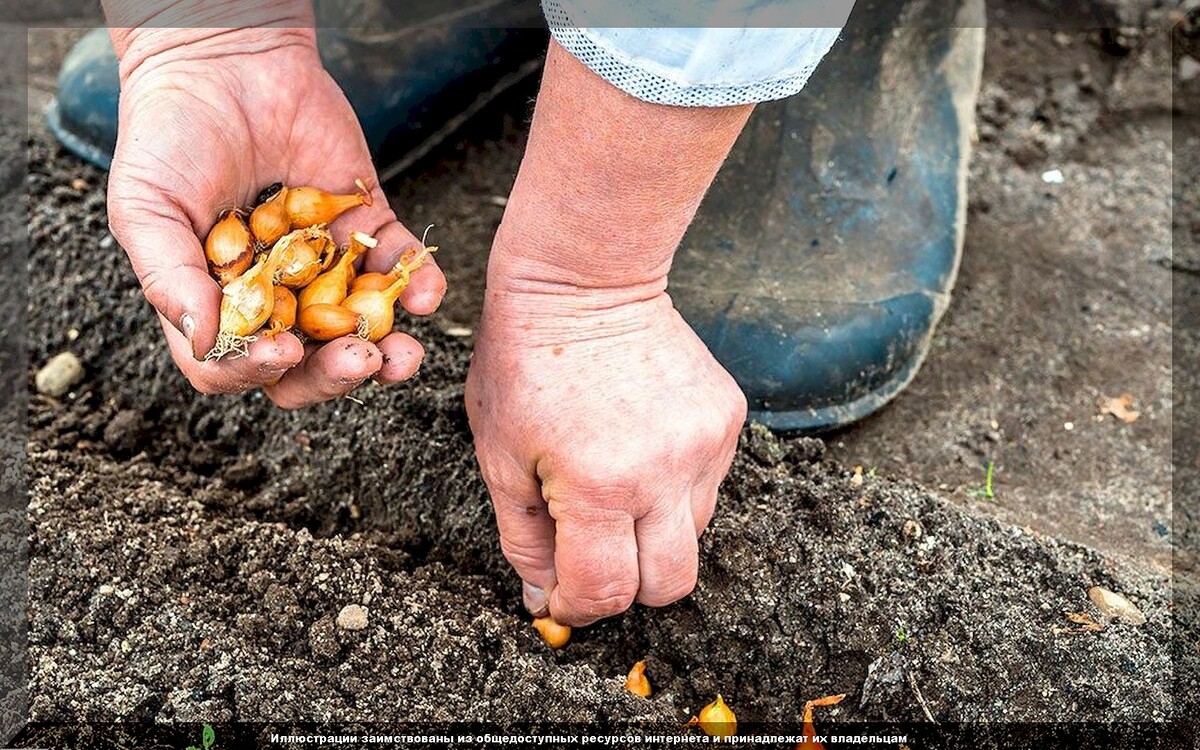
{"x":204,"y":127}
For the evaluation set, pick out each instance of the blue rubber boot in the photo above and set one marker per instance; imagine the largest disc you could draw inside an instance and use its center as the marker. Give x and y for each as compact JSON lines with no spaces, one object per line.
{"x":823,"y":256}
{"x":411,"y":82}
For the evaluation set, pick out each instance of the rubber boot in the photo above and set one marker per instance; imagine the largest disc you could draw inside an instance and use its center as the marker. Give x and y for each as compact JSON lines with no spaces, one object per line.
{"x":824,"y":254}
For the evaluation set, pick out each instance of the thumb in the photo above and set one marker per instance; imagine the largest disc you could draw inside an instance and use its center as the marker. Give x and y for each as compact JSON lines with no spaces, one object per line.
{"x":169,"y":262}
{"x":526,"y":536}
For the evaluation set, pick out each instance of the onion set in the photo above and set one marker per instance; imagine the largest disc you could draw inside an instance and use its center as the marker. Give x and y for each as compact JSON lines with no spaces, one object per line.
{"x":281,"y":270}
{"x":716,"y":719}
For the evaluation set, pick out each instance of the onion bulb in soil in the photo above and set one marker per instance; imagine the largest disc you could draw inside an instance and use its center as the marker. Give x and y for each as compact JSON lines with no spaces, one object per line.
{"x":229,"y":248}
{"x":554,"y":634}
{"x":298,"y":256}
{"x":307,"y":206}
{"x":283,"y":312}
{"x":636,"y":682}
{"x":269,"y":220}
{"x":323,"y":322}
{"x":246,"y":303}
{"x":329,"y":288}
{"x":716,"y":719}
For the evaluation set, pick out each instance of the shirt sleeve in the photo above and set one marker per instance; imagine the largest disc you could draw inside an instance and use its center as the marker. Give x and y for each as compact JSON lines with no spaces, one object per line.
{"x":699,"y":53}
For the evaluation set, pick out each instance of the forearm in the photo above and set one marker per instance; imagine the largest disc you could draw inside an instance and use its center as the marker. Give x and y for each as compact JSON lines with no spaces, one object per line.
{"x":142,"y":29}
{"x":608,"y":186}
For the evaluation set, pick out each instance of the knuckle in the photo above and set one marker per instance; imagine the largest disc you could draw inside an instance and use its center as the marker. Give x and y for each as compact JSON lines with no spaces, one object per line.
{"x":603,"y":601}
{"x":672,"y":591}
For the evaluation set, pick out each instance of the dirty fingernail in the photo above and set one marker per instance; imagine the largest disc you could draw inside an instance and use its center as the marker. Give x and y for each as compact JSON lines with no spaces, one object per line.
{"x":187,"y":325}
{"x":535,"y":600}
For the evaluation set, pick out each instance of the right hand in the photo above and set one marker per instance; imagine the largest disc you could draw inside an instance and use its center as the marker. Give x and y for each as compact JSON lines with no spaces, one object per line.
{"x":204,"y":126}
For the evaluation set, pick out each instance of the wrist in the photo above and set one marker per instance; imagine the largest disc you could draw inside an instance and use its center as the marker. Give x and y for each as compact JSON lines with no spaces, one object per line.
{"x":145,"y":33}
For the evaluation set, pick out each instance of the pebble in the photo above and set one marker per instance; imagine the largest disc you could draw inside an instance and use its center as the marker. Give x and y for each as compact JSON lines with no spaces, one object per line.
{"x":107,"y":589}
{"x":352,"y":617}
{"x":1114,"y":606}
{"x":912,"y":529}
{"x":59,"y":374}
{"x":1188,"y":69}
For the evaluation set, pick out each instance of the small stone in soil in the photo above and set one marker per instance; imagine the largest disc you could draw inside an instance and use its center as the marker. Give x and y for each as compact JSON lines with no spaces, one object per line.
{"x":352,"y":617}
{"x":59,"y":374}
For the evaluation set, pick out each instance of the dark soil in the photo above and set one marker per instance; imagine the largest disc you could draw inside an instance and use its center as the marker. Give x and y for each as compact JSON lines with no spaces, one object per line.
{"x":190,"y":554}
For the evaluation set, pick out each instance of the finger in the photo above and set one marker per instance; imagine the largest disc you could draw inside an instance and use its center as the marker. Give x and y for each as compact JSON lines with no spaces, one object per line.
{"x":328,"y":371}
{"x":526,"y":533}
{"x":668,"y":556}
{"x":425,"y":289}
{"x":169,"y":262}
{"x":427,"y":285}
{"x":596,"y":561}
{"x":266,"y":360}
{"x":402,"y":355}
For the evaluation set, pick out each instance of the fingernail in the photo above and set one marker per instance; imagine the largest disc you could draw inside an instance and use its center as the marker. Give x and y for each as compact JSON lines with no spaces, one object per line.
{"x":188,"y":325}
{"x":535,"y":600}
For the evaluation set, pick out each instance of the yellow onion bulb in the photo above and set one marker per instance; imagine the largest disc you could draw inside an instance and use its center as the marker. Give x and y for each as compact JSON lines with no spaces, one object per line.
{"x":377,"y":308}
{"x":269,"y":220}
{"x":636,"y":682}
{"x":246,"y":304}
{"x":373,"y":281}
{"x":329,"y":288}
{"x":297,"y":256}
{"x":229,"y":248}
{"x":307,"y":206}
{"x":554,"y":634}
{"x":283,"y":312}
{"x":717,"y":719}
{"x":322,"y":322}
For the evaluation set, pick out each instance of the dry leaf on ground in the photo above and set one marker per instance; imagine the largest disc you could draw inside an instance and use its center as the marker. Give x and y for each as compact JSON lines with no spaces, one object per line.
{"x":1120,"y":407}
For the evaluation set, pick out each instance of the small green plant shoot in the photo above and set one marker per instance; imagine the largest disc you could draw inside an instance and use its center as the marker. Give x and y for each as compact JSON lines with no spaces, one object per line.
{"x":207,"y":739}
{"x":986,"y":490}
